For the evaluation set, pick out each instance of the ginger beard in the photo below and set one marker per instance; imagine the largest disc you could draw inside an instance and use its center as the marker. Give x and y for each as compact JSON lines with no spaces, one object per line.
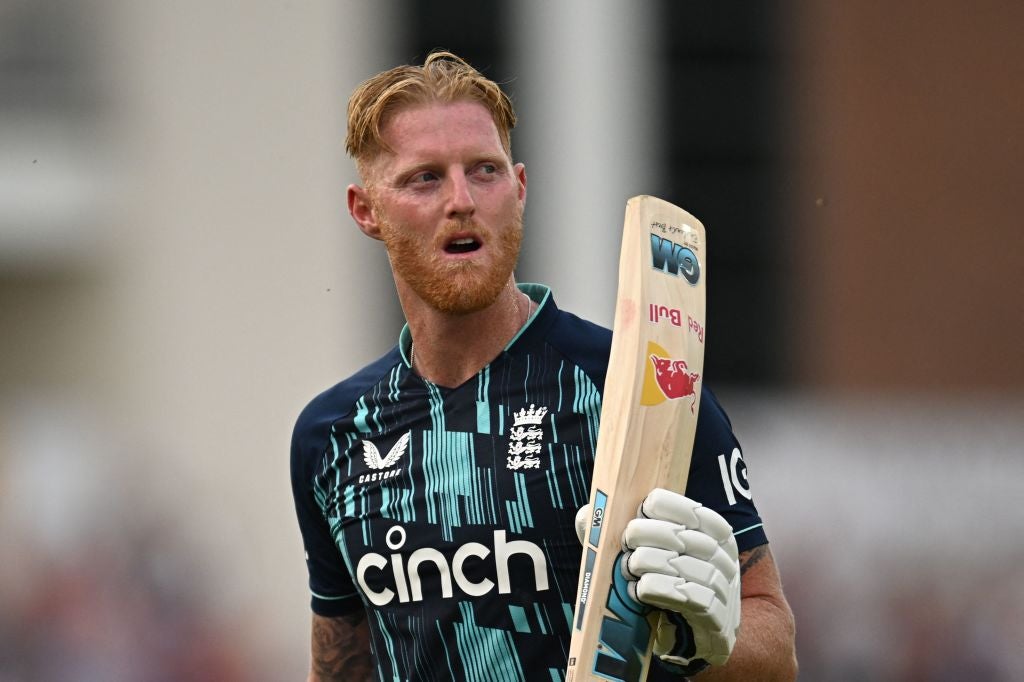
{"x":456,"y":287}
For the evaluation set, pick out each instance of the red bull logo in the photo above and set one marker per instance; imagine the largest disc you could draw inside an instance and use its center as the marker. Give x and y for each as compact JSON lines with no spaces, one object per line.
{"x":667,"y":378}
{"x":673,"y":377}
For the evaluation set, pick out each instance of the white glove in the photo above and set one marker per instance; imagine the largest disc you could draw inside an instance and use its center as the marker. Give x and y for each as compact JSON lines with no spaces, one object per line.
{"x":682,"y":558}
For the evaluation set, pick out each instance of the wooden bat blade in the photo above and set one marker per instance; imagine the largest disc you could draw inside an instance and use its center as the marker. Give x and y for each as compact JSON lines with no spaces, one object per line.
{"x":648,"y":421}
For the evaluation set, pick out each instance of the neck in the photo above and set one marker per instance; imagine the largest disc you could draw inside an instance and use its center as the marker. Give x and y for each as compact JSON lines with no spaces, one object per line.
{"x":449,"y":349}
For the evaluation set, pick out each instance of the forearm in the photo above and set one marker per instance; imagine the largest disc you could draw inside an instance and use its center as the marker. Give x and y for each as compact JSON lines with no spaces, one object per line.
{"x":341,"y":649}
{"x":765,"y":648}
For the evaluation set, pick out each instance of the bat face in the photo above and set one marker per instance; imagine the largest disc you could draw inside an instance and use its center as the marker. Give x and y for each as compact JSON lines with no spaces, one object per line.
{"x":648,"y":422}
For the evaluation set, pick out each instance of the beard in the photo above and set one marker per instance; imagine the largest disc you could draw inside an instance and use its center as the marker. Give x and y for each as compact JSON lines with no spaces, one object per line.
{"x":456,"y":287}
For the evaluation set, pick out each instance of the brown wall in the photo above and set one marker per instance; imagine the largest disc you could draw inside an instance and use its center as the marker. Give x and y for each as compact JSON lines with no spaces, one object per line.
{"x":909,"y":130}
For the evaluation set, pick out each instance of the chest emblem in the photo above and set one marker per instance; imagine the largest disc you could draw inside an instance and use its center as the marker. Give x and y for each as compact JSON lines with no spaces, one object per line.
{"x":384,"y":467}
{"x":524,"y":444}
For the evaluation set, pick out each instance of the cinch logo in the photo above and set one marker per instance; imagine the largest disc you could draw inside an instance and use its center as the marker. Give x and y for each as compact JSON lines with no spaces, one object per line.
{"x":405,"y":571}
{"x":371,"y":455}
{"x":669,"y":257}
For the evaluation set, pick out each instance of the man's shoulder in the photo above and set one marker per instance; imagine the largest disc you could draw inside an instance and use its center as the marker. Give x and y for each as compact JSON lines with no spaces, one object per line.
{"x":339,"y":401}
{"x":568,"y":323}
{"x":714,"y":428}
{"x":586,"y":344}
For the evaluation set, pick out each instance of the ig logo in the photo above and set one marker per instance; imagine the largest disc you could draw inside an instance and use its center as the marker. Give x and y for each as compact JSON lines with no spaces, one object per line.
{"x":731,"y":474}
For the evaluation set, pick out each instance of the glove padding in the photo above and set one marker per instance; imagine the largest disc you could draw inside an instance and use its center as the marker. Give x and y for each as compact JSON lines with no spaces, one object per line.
{"x":682,"y":558}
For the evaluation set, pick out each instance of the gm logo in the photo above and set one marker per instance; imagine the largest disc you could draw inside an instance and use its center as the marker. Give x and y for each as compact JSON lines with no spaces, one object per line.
{"x":673,"y":259}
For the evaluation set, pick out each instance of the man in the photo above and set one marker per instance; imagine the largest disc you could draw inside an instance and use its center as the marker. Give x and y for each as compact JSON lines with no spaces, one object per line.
{"x":437,"y":488}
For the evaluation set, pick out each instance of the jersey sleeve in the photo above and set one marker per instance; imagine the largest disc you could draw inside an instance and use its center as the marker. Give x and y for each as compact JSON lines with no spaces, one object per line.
{"x":330,"y":584}
{"x":718,"y":474}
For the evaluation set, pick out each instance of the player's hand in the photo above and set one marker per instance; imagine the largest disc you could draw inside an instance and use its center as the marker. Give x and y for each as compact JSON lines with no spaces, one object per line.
{"x":682,"y":557}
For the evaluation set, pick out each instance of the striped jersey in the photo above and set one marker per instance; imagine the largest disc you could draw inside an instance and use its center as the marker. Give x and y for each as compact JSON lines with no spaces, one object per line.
{"x":447,"y":514}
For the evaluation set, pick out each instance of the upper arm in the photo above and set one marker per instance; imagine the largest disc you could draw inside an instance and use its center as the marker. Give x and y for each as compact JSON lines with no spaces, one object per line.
{"x":341,"y":649}
{"x":330,"y":584}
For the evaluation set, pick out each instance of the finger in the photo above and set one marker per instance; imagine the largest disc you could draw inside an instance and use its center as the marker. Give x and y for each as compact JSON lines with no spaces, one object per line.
{"x":648,"y":560}
{"x":719,"y":561}
{"x":697,"y":544}
{"x":668,"y":535}
{"x":705,"y":573}
{"x":666,"y":505}
{"x":645,"y":560}
{"x":669,"y":506}
{"x":652,"y":533}
{"x":582,"y":523}
{"x":713,"y":523}
{"x":702,"y":610}
{"x":698,"y":605}
{"x":674,"y":594}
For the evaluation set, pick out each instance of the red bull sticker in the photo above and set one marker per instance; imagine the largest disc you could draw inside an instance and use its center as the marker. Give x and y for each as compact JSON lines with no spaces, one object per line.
{"x":667,"y":378}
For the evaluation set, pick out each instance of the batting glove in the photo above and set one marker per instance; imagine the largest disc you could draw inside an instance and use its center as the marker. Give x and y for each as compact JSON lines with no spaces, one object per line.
{"x":682,"y":558}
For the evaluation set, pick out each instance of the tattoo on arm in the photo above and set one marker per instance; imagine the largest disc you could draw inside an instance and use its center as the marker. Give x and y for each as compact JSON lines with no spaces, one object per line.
{"x":341,"y":648}
{"x":751,"y":557}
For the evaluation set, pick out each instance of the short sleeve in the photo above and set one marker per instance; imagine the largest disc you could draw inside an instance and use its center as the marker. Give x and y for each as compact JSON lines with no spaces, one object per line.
{"x":718,"y":474}
{"x":332,"y":591}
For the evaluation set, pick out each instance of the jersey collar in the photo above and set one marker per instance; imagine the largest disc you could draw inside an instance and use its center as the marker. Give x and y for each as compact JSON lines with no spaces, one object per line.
{"x":537,"y":323}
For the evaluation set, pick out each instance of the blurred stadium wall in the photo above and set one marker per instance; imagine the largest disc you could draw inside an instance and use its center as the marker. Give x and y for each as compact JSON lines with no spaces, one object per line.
{"x":178,"y":275}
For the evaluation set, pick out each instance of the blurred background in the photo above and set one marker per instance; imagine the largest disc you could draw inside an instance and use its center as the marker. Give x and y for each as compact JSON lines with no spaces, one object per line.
{"x":179,"y":276}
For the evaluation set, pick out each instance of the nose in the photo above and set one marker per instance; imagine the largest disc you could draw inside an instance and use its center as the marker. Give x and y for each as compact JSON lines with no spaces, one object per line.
{"x":460,"y":196}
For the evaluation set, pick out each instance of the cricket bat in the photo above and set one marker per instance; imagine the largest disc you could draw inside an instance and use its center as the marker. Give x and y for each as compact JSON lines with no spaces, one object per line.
{"x":648,"y":421}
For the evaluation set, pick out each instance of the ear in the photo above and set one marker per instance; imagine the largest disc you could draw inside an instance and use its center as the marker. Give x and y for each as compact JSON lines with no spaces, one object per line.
{"x":519,"y":170}
{"x":361,"y":209}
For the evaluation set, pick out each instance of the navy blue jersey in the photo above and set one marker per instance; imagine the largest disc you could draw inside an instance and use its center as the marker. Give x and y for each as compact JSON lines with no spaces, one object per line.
{"x":448,"y":513}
